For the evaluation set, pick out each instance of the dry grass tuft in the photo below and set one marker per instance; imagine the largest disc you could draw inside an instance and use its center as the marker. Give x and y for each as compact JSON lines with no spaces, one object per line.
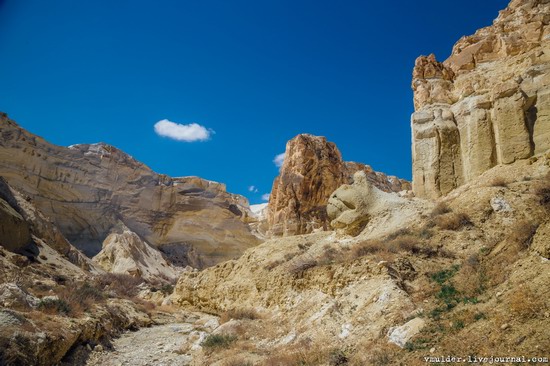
{"x":305,"y":353}
{"x":239,"y":361}
{"x":522,"y":234}
{"x":367,"y":247}
{"x":526,"y":303}
{"x":499,"y":182}
{"x":123,"y":285}
{"x":452,"y":221}
{"x":238,"y":314}
{"x":440,"y":209}
{"x":542,"y":190}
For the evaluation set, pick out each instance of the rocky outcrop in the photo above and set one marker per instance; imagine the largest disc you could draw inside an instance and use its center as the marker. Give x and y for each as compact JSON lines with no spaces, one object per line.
{"x":352,"y":206}
{"x":487,"y":104}
{"x":274,"y":278}
{"x":125,"y":252}
{"x":87,"y":190}
{"x":313,"y":168}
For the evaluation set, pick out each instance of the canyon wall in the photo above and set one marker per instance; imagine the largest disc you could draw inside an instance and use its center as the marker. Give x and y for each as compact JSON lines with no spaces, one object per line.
{"x":90,"y":190}
{"x":487,"y":104}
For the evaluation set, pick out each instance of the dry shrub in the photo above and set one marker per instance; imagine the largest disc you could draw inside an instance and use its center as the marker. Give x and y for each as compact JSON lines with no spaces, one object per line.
{"x":299,"y":266}
{"x":542,"y":190}
{"x":81,"y":298}
{"x":238,"y":314}
{"x":367,"y":247}
{"x":499,"y":182}
{"x":239,"y":361}
{"x":73,"y":300}
{"x":440,"y":209}
{"x":303,"y":353}
{"x":386,"y":250}
{"x":452,"y":221}
{"x":382,"y":353}
{"x":123,"y":285}
{"x":471,"y":278}
{"x":522,"y":234}
{"x":526,"y":303}
{"x":331,"y":255}
{"x":405,"y":243}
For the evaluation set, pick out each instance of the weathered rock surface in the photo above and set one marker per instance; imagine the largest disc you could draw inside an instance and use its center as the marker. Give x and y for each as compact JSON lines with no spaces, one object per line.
{"x":365,"y":295}
{"x":313,"y":168}
{"x":23,"y":228}
{"x":352,"y":206}
{"x":87,"y":190}
{"x":400,"y":335}
{"x":487,"y":104}
{"x":125,"y":252}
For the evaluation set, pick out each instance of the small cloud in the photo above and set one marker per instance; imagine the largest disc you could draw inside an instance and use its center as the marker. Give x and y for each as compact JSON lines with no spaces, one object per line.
{"x":253,"y":189}
{"x":265,"y":197}
{"x":279,"y":160}
{"x":188,"y":133}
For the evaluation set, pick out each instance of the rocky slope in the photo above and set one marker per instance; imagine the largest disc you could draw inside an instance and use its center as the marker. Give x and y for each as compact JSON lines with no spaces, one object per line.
{"x":88,"y":190}
{"x":46,"y":285}
{"x":313,"y":168}
{"x":466,"y":275}
{"x":487,"y":104}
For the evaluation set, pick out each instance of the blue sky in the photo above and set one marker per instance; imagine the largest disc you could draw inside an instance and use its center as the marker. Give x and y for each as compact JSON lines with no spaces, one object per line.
{"x":252,"y":73}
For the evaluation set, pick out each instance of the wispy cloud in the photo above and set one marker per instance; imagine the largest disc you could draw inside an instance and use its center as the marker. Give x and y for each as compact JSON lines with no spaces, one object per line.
{"x":188,"y":133}
{"x":253,"y":189}
{"x":265,"y":197}
{"x":279,"y":160}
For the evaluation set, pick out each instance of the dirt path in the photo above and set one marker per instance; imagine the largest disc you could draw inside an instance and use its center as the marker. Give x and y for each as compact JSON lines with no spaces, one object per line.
{"x":161,"y":345}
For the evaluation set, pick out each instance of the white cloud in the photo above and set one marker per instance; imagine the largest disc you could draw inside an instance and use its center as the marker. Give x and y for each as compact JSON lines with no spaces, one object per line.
{"x":279,"y":160}
{"x":188,"y":133}
{"x":265,"y":196}
{"x":253,"y":189}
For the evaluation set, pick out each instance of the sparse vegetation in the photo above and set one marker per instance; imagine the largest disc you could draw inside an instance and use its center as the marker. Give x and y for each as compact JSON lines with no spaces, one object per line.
{"x":218,"y":341}
{"x":122,"y":285}
{"x":499,"y":182}
{"x":526,"y":303}
{"x":167,"y":289}
{"x":522,"y":234}
{"x":55,"y":306}
{"x":301,"y":265}
{"x":440,"y":209}
{"x":542,"y":190}
{"x":452,"y":221}
{"x":249,"y":314}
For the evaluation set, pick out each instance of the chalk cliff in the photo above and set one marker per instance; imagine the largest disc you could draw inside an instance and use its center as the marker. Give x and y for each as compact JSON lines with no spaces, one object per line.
{"x":487,"y":104}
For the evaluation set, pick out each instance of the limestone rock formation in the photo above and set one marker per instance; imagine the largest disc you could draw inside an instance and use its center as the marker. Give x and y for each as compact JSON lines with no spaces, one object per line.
{"x":87,"y":190}
{"x":487,"y":104}
{"x":313,"y":168}
{"x":125,"y":252}
{"x":351,"y":206}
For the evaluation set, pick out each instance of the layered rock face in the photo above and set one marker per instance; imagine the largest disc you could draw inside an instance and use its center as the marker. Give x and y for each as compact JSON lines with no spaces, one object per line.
{"x":125,"y":252}
{"x":24,"y":230}
{"x":87,"y":190}
{"x":313,"y":168}
{"x":487,"y":104}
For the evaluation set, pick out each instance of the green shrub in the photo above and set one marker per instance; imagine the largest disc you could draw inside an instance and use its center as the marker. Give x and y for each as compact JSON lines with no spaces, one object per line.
{"x":218,"y":341}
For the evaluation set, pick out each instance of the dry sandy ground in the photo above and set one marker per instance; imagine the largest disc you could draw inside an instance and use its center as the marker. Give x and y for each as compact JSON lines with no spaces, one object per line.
{"x":161,"y":345}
